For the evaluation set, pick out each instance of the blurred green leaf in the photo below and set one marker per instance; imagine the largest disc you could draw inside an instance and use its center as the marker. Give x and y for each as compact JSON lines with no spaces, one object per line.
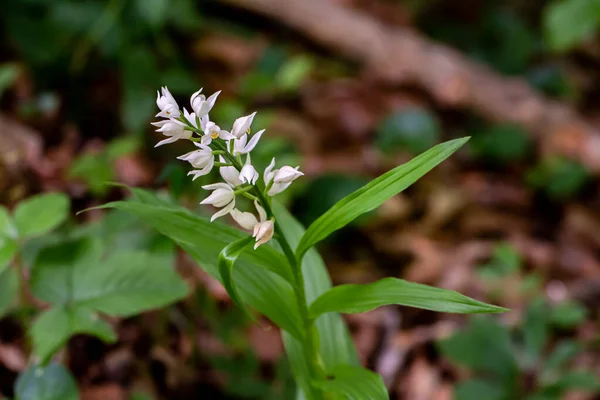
{"x":477,"y":389}
{"x":535,"y":330}
{"x":484,"y":346}
{"x":505,"y":261}
{"x":8,"y":250}
{"x":9,"y":288}
{"x":375,"y":193}
{"x":553,"y":81}
{"x":53,"y":382}
{"x":184,"y":16}
{"x":293,"y":73}
{"x":40,"y":214}
{"x":354,"y":383}
{"x":95,"y":170}
{"x":564,"y":352}
{"x":413,"y":129}
{"x":7,"y":226}
{"x":153,"y":11}
{"x":569,"y":22}
{"x":501,"y":144}
{"x":8,"y":75}
{"x":574,"y":380}
{"x":121,"y":147}
{"x":54,"y":327}
{"x":227,"y":258}
{"x":360,"y":298}
{"x":559,"y":177}
{"x":568,"y":314}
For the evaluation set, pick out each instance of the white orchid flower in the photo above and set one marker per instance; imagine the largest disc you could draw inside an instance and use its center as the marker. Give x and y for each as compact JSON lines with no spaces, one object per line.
{"x":201,"y":105}
{"x":280,"y":179}
{"x":212,"y":131}
{"x":202,"y":159}
{"x":240,"y":146}
{"x":242,"y":125}
{"x":248,"y":174}
{"x":230,"y":174}
{"x":172,"y":128}
{"x":167,"y":104}
{"x":222,"y":197}
{"x":262,"y":229}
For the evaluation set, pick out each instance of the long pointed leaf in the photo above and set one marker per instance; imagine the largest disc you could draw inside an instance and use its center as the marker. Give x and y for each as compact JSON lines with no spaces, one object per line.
{"x":375,"y":193}
{"x":361,"y":298}
{"x":355,"y":383}
{"x":227,"y":258}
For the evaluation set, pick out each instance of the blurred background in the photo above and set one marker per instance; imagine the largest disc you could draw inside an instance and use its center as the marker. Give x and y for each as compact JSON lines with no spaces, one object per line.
{"x":347,"y":89}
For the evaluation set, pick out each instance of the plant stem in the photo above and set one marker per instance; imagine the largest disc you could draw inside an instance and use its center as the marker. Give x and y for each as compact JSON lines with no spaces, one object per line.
{"x":310,"y":345}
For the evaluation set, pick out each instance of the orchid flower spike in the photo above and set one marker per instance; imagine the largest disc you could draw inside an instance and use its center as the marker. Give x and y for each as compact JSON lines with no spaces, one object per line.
{"x":240,"y":146}
{"x":280,"y":179}
{"x":230,"y":174}
{"x":173,"y":129}
{"x":167,"y":104}
{"x":248,"y":174}
{"x":222,"y":197}
{"x":202,"y":159}
{"x":201,"y":105}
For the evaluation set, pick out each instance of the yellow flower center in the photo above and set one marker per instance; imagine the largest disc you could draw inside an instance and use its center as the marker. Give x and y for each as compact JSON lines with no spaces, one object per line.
{"x":214,"y":134}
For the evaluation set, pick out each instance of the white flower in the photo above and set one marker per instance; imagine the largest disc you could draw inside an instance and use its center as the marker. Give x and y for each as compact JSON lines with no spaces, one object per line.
{"x":242,"y":125}
{"x":282,"y":178}
{"x":201,"y":105}
{"x":262,"y":230}
{"x":248,"y":174}
{"x":172,"y":128}
{"x":240,"y":146}
{"x":212,"y":131}
{"x":191,"y":117}
{"x":203,"y":159}
{"x":221,"y":197}
{"x":230,"y":174}
{"x":167,"y":104}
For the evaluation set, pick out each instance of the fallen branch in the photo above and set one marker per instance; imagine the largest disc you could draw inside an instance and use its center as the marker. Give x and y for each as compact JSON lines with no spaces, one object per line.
{"x":401,"y":56}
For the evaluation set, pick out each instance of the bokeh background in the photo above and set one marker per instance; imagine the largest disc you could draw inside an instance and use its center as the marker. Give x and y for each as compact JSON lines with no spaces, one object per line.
{"x":347,"y":89}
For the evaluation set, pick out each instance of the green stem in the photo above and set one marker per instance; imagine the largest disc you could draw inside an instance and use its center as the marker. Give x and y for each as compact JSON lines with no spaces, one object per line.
{"x":310,"y":345}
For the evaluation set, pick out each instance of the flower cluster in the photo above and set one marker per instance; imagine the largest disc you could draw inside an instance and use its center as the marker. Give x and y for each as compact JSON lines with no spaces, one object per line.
{"x":229,"y":147}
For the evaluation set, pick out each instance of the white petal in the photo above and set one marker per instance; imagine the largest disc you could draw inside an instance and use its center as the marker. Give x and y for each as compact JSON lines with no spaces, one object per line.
{"x":261,"y":211}
{"x":287,"y":174}
{"x":242,"y":124}
{"x":253,"y":142}
{"x":278,"y":188}
{"x":223,"y":211}
{"x":206,"y":140}
{"x":194,"y":95}
{"x":244,"y":219}
{"x":166,"y":141}
{"x":214,"y":186}
{"x":268,"y":175}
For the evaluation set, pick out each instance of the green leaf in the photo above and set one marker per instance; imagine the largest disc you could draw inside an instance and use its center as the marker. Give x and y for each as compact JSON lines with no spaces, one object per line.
{"x":535,"y":330}
{"x":485,"y":346}
{"x":227,"y":258}
{"x":8,"y":249}
{"x":414,"y":129}
{"x":375,"y":193}
{"x":54,"y":327}
{"x":477,"y":389}
{"x":501,"y":144}
{"x":336,"y":346}
{"x":7,"y":226}
{"x":9,"y":287}
{"x":40,"y":214}
{"x":53,"y":382}
{"x":564,"y":352}
{"x":569,"y":22}
{"x":294,"y":72}
{"x":361,"y":298}
{"x":578,"y":380}
{"x":568,"y":314}
{"x":263,"y":275}
{"x":355,"y":383}
{"x":153,"y":11}
{"x":126,"y":283}
{"x":8,"y":75}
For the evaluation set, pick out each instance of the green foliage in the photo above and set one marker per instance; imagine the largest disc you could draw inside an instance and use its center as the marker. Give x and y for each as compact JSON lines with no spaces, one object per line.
{"x":498,"y":357}
{"x":98,"y":168}
{"x":501,"y":144}
{"x":40,"y":214}
{"x":558,"y":177}
{"x":412,"y":129}
{"x":53,"y":382}
{"x":227,"y":258}
{"x":375,"y":193}
{"x":9,"y":287}
{"x":569,"y":22}
{"x":360,"y":298}
{"x":8,"y":75}
{"x":505,"y":261}
{"x":354,"y":383}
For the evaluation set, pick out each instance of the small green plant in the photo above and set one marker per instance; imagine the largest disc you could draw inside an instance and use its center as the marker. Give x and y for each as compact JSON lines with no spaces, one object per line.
{"x":276,"y":271}
{"x":78,"y":280}
{"x":558,"y":177}
{"x":503,"y":361}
